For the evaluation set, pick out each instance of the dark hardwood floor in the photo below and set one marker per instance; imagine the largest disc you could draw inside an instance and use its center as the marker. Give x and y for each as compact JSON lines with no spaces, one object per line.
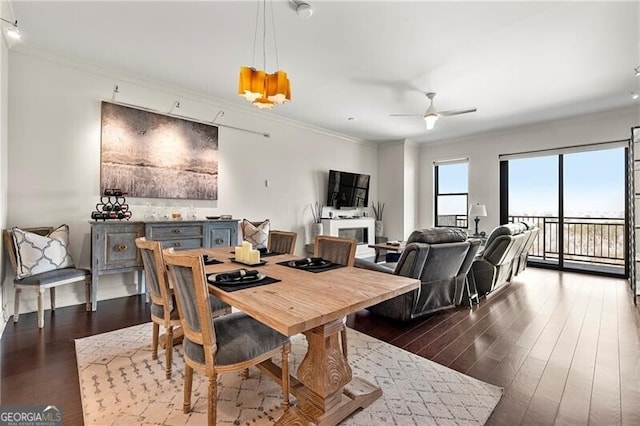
{"x":565,"y":347}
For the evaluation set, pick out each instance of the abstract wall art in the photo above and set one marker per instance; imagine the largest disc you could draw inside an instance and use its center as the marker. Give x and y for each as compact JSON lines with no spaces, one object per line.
{"x":157,"y":156}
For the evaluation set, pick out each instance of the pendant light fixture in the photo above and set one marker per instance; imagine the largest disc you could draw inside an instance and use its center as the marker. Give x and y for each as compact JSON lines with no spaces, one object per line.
{"x":262,"y":89}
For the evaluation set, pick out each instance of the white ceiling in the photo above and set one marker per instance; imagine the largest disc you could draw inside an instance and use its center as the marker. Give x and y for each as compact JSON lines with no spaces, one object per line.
{"x":517,"y":63}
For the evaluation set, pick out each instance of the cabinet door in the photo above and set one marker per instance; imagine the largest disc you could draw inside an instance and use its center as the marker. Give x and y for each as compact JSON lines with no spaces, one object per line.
{"x":220,"y":237}
{"x":116,"y":247}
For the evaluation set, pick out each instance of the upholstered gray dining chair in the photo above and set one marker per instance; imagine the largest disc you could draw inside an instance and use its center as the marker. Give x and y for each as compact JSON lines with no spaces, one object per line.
{"x":43,"y":280}
{"x":163,"y":309}
{"x":343,"y":252}
{"x":219,"y":345}
{"x":282,"y":241}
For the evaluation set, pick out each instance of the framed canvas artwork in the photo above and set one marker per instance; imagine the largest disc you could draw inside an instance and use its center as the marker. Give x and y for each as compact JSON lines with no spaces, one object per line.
{"x":157,"y":156}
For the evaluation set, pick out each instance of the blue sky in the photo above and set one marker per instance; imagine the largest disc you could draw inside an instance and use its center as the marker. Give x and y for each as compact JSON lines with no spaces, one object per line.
{"x":593,"y":180}
{"x":593,"y":184}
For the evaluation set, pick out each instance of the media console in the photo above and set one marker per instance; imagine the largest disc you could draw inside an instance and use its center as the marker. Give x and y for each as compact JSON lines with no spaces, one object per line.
{"x":361,"y":229}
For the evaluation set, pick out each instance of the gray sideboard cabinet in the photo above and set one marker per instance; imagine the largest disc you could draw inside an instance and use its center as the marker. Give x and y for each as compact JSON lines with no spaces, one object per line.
{"x":113,"y":247}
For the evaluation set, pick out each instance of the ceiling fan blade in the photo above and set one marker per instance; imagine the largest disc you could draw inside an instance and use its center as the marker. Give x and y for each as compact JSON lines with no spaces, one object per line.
{"x":456,"y":112}
{"x":406,"y":115}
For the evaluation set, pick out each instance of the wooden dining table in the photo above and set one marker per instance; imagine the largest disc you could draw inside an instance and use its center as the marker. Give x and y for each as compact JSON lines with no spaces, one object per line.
{"x":313,"y":304}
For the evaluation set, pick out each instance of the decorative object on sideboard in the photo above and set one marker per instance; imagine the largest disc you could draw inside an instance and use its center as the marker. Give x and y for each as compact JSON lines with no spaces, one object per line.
{"x":378,"y":211}
{"x":478,"y":210}
{"x":112,"y":205}
{"x":316,"y":226}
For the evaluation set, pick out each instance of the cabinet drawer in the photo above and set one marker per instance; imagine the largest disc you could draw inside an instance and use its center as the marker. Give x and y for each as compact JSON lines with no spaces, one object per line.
{"x":183,"y":243}
{"x":160,"y":232}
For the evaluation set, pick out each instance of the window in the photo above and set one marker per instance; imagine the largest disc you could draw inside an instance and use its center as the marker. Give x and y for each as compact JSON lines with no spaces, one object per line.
{"x":451,"y":193}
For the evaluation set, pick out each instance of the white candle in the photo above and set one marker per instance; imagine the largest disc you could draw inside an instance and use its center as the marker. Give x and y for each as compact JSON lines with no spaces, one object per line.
{"x":239,"y":253}
{"x":246,"y":249}
{"x":254,"y":257}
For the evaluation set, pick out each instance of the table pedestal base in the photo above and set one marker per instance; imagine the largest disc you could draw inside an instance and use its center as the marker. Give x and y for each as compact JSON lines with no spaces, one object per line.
{"x":356,"y":395}
{"x":178,"y":335}
{"x":325,"y":387}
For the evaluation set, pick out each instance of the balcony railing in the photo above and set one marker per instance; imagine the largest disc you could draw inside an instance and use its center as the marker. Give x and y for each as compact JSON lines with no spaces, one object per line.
{"x":453,"y":220}
{"x":598,"y":241}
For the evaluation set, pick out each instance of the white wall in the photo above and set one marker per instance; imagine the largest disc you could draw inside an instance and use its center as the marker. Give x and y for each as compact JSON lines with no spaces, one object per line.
{"x":4,"y":61}
{"x":391,"y":188}
{"x":483,"y":150}
{"x":54,"y":147}
{"x":411,"y":187}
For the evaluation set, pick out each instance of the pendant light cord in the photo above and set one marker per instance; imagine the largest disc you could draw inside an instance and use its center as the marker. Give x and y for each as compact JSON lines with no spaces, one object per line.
{"x":275,"y":42}
{"x":264,"y":35}
{"x":255,"y":37}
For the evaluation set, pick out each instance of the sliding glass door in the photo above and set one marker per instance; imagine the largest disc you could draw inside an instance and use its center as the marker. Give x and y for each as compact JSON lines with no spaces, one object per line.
{"x":577,"y":200}
{"x":533,"y":186}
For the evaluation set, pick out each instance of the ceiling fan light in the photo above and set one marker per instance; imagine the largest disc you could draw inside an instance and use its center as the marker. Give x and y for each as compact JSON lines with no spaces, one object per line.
{"x":431,"y":120}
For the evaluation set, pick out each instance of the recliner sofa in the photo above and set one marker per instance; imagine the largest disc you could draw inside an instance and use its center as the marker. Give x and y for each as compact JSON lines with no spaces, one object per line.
{"x":504,"y":255}
{"x":440,"y":258}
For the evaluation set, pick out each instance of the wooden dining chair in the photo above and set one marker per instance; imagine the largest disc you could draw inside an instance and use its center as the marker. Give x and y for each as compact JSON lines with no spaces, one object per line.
{"x":282,"y":241}
{"x":219,"y":345}
{"x":163,"y":309}
{"x":338,"y":250}
{"x":43,"y":280}
{"x":342,"y":251}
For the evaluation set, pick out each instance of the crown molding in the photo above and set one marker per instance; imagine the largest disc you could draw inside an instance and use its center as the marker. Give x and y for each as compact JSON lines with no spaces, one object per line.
{"x":120,"y":77}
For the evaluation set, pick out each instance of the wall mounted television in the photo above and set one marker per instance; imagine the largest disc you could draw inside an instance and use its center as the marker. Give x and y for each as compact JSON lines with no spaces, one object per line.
{"x":347,"y":190}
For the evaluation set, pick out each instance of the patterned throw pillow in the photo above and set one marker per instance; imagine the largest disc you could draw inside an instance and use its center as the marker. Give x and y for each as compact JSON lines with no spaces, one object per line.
{"x":39,"y":253}
{"x":257,"y":234}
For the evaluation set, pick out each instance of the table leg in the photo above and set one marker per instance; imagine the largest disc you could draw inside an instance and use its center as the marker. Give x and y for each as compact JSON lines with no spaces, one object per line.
{"x":331,"y":393}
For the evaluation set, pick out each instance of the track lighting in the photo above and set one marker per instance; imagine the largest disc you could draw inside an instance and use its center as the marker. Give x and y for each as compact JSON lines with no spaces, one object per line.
{"x":12,"y":30}
{"x":634,"y":95}
{"x":304,"y":10}
{"x":637,"y":70}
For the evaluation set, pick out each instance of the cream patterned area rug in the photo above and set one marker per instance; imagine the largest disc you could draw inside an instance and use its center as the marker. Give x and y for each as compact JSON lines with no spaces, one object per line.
{"x":122,"y":385}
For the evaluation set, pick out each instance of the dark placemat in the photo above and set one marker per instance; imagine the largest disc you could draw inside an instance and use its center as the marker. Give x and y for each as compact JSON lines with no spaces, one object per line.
{"x":271,"y":253}
{"x":329,"y":267}
{"x":212,"y":262}
{"x":233,"y":259}
{"x":236,"y":287}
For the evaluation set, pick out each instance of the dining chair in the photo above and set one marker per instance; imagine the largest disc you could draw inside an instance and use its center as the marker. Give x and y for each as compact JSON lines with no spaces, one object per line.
{"x":342,"y":251}
{"x":219,"y":345}
{"x":40,"y":281}
{"x":282,"y":241}
{"x":338,"y":250}
{"x":163,"y":308}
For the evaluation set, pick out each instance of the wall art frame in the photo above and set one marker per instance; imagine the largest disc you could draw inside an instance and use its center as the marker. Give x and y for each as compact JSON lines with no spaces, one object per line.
{"x":153,"y":155}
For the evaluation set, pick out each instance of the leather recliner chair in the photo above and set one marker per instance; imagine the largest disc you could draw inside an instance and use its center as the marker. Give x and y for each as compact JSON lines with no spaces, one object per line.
{"x":501,"y":254}
{"x":440,"y":258}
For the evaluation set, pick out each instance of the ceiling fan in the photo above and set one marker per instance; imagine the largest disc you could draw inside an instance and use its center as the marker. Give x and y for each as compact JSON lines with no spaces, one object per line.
{"x":431,"y":115}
